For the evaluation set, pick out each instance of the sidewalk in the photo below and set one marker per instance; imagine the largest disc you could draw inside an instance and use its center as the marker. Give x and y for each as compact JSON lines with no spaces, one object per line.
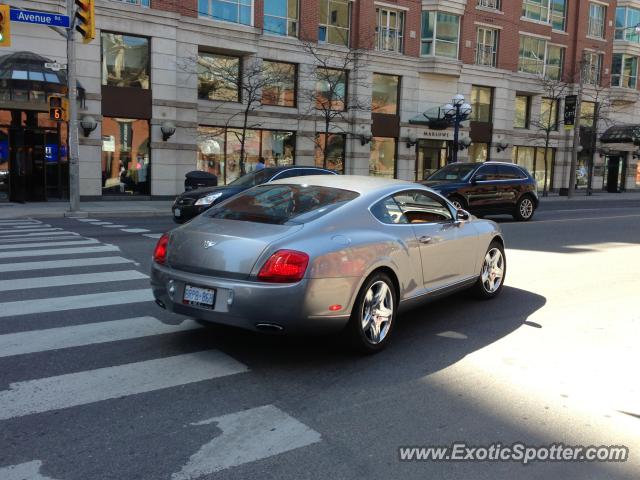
{"x":125,"y":208}
{"x":581,"y":196}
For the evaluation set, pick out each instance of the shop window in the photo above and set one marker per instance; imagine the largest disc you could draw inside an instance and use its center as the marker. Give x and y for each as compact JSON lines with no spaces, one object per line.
{"x":331,"y":89}
{"x":334,"y":145}
{"x":478,"y":152}
{"x":279,"y":84}
{"x":218,"y":77}
{"x":481,"y":103}
{"x":523,"y":108}
{"x":382,"y":162}
{"x":533,"y":159}
{"x":126,"y":159}
{"x":385,"y":94}
{"x":125,"y":61}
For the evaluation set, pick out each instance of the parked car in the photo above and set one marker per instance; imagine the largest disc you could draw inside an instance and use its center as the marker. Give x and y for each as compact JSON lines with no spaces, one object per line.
{"x":318,"y":254}
{"x":194,"y":202}
{"x":487,"y":188}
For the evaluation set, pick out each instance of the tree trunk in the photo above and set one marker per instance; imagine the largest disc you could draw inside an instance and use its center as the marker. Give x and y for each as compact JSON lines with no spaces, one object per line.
{"x":242,"y":143}
{"x":325,"y":149}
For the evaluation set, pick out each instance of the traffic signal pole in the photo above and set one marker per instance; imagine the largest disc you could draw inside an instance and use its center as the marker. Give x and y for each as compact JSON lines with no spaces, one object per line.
{"x":72,"y":86}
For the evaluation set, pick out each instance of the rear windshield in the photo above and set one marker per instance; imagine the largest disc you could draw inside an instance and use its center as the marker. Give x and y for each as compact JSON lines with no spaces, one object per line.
{"x":282,"y":204}
{"x":252,"y":179}
{"x":453,"y":172}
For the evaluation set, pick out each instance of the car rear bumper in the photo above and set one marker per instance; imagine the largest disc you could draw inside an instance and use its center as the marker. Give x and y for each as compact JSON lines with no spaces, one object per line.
{"x":256,"y":306}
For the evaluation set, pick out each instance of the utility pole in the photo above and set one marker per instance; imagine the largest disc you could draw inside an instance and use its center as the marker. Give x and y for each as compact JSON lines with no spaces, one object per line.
{"x":576,"y":135}
{"x":74,"y":165}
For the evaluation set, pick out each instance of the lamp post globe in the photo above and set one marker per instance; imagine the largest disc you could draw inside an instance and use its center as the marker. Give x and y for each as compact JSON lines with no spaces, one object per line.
{"x":458,"y":100}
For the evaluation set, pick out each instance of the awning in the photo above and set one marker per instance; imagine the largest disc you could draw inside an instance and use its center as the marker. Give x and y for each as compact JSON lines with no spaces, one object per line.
{"x":622,"y":134}
{"x":432,"y":118}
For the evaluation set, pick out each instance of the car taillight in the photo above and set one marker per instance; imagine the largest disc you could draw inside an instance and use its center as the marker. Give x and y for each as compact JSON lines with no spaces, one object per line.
{"x":284,"y":266}
{"x":160,"y":253}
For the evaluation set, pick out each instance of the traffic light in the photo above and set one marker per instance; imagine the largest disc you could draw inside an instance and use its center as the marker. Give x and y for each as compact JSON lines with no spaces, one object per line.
{"x":86,"y":20}
{"x":58,"y":108}
{"x":5,"y":26}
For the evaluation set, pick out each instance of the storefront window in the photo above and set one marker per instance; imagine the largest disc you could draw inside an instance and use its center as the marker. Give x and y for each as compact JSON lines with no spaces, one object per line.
{"x":385,"y":94}
{"x":382,"y":162}
{"x":279,"y":84}
{"x":522,"y":112}
{"x":432,"y":155}
{"x":533,"y":159}
{"x":335,"y":150}
{"x":549,"y":114}
{"x":481,"y":98}
{"x":126,"y":160}
{"x":4,"y":164}
{"x":125,"y":61}
{"x":331,"y":89}
{"x":478,"y":152}
{"x":218,"y":77}
{"x":219,"y":150}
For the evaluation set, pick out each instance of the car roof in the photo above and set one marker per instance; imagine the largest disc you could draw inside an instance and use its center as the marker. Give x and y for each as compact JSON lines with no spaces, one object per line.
{"x":362,"y":184}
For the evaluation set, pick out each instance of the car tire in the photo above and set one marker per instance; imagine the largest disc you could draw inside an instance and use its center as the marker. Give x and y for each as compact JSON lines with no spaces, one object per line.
{"x":364,"y":327}
{"x":525,"y":208}
{"x":494,"y":268}
{"x":458,"y":202}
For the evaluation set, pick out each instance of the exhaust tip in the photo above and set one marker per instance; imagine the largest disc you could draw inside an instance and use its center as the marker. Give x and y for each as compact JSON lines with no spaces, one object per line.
{"x":160,"y":304}
{"x":270,"y":327}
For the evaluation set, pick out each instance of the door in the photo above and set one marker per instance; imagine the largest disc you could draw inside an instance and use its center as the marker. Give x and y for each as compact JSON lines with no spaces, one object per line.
{"x":613,"y":174}
{"x":447,"y":247}
{"x":36,"y":165}
{"x":17,"y":165}
{"x":432,"y":155}
{"x":510,"y":185}
{"x":483,"y":193}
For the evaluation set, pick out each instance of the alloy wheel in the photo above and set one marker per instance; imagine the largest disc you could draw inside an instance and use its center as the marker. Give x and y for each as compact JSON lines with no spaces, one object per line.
{"x":492,"y":270}
{"x":377,"y":312}
{"x":526,"y":208}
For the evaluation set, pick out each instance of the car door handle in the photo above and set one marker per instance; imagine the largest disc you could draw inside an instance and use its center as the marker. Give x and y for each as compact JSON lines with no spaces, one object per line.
{"x":425,"y":239}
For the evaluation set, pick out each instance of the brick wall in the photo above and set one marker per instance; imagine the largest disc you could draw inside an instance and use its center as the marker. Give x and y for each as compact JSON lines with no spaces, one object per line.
{"x":187,"y":8}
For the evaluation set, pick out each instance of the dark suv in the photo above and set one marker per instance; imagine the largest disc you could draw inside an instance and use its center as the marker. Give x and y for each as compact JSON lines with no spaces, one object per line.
{"x":487,"y":188}
{"x":194,"y":202}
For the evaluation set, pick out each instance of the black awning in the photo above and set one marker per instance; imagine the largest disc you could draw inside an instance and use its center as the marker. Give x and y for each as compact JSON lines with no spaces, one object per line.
{"x":622,"y":134}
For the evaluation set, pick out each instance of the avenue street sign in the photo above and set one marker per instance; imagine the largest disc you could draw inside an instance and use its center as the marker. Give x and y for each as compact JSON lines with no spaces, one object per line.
{"x":39,"y":18}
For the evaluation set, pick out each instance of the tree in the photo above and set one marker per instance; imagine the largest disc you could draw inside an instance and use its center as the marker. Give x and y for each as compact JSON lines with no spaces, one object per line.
{"x":330,"y":91}
{"x":552,"y":91}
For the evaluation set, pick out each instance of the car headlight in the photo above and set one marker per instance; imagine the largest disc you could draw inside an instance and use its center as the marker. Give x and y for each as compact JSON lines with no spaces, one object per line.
{"x":209,"y":199}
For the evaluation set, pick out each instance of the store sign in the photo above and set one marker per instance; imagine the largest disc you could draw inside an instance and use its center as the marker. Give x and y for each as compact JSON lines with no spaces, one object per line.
{"x":108,"y":143}
{"x":570,"y":103}
{"x":51,"y":152}
{"x":437,"y":134}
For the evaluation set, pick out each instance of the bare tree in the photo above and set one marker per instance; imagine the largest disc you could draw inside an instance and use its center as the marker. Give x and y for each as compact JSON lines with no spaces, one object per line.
{"x":330,"y":92}
{"x":552,"y":91}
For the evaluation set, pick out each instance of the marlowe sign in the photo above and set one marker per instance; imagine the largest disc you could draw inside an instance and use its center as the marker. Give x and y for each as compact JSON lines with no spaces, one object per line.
{"x":39,"y":18}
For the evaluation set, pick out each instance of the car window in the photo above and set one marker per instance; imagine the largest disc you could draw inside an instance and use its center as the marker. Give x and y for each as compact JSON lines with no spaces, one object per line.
{"x":282,"y":204}
{"x":292,"y":172}
{"x":422,"y":207}
{"x":453,"y":172}
{"x":388,"y":211}
{"x":252,"y":179}
{"x":316,"y":171}
{"x":505,"y":172}
{"x":489,"y":171}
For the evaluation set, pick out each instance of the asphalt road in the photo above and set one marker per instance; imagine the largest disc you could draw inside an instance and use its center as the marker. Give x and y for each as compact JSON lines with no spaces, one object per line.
{"x":92,"y":386}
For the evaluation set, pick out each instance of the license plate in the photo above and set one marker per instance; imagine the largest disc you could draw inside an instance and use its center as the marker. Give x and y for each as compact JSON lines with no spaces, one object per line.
{"x":199,"y":296}
{"x":177,"y":212}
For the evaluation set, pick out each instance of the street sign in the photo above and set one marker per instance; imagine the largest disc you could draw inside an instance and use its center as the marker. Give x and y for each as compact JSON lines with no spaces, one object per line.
{"x":55,"y":66}
{"x":39,"y":18}
{"x":570,"y":102}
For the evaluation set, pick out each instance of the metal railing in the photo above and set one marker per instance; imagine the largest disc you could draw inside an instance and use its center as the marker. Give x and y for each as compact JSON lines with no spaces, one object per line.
{"x":486,"y":55}
{"x":596,"y":27}
{"x":494,"y":4}
{"x":388,"y":40}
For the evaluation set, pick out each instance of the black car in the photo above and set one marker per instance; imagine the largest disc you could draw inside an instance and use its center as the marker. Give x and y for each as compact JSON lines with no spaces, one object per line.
{"x":194,"y":202}
{"x":487,"y":188}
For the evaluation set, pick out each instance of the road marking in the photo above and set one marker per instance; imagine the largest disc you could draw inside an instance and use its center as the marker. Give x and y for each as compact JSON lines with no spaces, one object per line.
{"x":23,"y":471}
{"x":27,"y":246}
{"x":71,"y":236}
{"x":60,"y":251}
{"x":20,"y":227}
{"x":66,"y":280}
{"x":18,"y":222}
{"x":73,"y":389}
{"x":34,"y":235}
{"x":104,"y":224}
{"x":74,"y":302}
{"x":247,"y":436}
{"x":73,"y":262}
{"x":31,"y":230}
{"x":114,"y":226}
{"x":152,"y":235}
{"x":87,"y":220}
{"x":135,"y":230}
{"x":35,"y":341}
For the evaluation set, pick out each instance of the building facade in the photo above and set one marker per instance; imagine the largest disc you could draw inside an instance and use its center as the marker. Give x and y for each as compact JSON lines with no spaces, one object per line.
{"x":353,"y":85}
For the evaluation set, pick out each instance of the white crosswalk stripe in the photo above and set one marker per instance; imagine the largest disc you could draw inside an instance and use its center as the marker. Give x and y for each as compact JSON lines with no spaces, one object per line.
{"x":30,"y":230}
{"x":35,"y":236}
{"x":73,"y":389}
{"x":59,"y":251}
{"x":114,"y":226}
{"x":5,"y":223}
{"x":68,"y":236}
{"x":70,"y":263}
{"x":27,"y":246}
{"x":152,"y":235}
{"x":135,"y":230}
{"x":66,"y":280}
{"x":21,"y":227}
{"x":34,"y":341}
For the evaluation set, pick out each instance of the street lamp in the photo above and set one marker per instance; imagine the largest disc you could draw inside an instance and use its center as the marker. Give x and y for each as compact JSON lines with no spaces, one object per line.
{"x":457,"y":112}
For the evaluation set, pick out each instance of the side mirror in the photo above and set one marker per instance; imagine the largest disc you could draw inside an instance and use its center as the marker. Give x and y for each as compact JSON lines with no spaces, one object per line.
{"x":479,"y":178}
{"x":462,"y":215}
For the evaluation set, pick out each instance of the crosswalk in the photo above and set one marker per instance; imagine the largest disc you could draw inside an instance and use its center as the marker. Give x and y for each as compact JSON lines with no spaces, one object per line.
{"x":123,"y":228}
{"x":61,"y":292}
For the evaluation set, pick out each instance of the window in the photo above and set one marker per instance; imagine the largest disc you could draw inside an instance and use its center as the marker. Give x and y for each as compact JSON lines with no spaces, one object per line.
{"x":626,"y":20}
{"x":523,"y":107}
{"x":411,"y":207}
{"x":559,"y":15}
{"x":478,"y":152}
{"x":382,"y":162}
{"x":592,"y":68}
{"x":536,"y":10}
{"x":587,"y":113}
{"x":385,"y":94}
{"x":125,"y":61}
{"x":532,"y":55}
{"x":281,"y":17}
{"x":554,"y":62}
{"x":279,"y":81}
{"x":389,"y":30}
{"x":493,"y":4}
{"x":481,"y":100}
{"x":624,"y":71}
{"x":331,"y":89}
{"x":443,"y":29}
{"x":597,"y":15}
{"x":489,"y":172}
{"x":142,"y":3}
{"x":506,"y":172}
{"x":335,"y":22}
{"x":218,"y":77}
{"x":219,"y":150}
{"x":126,"y":163}
{"x":533,"y":159}
{"x":235,"y":11}
{"x":487,"y":46}
{"x":549,"y":114}
{"x":334,"y":148}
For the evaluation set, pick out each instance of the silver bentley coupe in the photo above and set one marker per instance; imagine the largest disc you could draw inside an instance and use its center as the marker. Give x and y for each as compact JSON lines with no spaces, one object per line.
{"x":325,"y":253}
